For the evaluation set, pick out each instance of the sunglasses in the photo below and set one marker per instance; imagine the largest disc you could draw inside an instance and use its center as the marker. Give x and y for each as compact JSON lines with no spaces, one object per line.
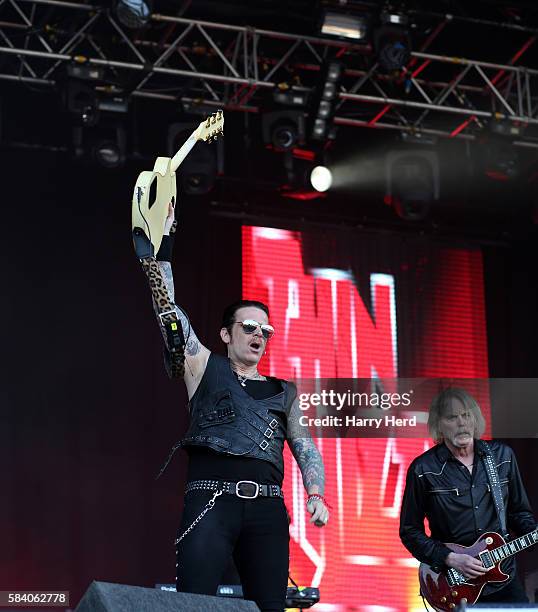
{"x":250,"y":326}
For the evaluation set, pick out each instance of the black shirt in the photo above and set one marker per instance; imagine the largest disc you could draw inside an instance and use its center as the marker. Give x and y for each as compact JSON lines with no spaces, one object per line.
{"x":458,"y":505}
{"x":205,"y":464}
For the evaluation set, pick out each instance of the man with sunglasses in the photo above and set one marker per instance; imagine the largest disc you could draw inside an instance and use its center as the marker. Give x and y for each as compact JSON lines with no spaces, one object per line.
{"x":239,"y":420}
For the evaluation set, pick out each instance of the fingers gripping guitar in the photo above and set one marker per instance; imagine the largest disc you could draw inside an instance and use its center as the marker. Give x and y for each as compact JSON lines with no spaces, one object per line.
{"x":469,"y":566}
{"x":155,"y":190}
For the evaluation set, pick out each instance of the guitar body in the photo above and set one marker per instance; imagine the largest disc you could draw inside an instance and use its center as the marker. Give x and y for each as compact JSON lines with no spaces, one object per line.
{"x":149,"y":216}
{"x":156,"y":189}
{"x":441,"y":592}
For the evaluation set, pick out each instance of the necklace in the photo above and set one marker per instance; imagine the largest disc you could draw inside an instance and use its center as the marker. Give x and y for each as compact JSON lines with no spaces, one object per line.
{"x":243,"y":379}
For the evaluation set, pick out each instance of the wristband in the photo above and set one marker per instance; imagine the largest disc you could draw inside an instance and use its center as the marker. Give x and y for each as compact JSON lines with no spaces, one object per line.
{"x":165,"y":250}
{"x":315,"y":496}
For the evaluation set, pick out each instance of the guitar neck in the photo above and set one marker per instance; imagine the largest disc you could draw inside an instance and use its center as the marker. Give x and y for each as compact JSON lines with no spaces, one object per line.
{"x":515,"y":546}
{"x":183,"y":152}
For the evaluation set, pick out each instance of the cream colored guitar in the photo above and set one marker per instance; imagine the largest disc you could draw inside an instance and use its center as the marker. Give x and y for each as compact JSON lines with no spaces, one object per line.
{"x":155,"y":189}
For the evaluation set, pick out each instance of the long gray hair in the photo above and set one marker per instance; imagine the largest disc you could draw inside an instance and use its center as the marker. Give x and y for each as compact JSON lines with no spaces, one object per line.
{"x":442,"y":401}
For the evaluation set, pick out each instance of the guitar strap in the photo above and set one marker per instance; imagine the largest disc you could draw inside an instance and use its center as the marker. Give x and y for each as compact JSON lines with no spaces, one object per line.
{"x":174,"y":357}
{"x":495,"y":485}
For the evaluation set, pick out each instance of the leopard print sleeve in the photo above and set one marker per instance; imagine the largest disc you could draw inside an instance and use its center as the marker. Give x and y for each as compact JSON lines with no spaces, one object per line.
{"x":193,"y":345}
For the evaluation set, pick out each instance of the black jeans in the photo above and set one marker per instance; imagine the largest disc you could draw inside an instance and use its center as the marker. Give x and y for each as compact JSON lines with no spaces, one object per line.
{"x":254,"y":531}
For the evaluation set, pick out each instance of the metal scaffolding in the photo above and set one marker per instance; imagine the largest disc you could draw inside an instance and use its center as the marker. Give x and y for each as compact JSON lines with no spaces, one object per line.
{"x":234,"y":67}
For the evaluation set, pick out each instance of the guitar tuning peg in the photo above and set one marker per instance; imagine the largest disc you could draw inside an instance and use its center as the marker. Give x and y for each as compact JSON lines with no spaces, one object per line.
{"x":219,"y":114}
{"x":213,"y":119}
{"x":207,"y":122}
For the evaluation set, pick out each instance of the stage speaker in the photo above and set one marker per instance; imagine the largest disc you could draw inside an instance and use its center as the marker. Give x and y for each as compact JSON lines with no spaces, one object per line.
{"x":107,"y":597}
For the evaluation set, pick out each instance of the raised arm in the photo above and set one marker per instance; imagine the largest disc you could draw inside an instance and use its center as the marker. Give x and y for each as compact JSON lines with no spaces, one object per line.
{"x":310,"y":463}
{"x":196,"y":354}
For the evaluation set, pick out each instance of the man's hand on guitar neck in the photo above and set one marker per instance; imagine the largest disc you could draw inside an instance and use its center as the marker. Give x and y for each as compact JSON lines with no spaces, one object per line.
{"x":467,"y":565}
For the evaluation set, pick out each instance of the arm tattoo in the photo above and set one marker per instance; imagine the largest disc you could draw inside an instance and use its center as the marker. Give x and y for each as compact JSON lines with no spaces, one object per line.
{"x":305,"y":452}
{"x":192,"y":347}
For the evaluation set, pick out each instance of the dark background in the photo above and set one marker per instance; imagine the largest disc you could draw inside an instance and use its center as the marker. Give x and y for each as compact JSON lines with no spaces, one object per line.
{"x":87,"y":412}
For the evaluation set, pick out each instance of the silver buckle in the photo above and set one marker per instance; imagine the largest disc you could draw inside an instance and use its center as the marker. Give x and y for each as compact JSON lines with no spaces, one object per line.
{"x":273,"y":424}
{"x":263,"y":444}
{"x":247,"y":482}
{"x":167,"y":312}
{"x":268,"y":433}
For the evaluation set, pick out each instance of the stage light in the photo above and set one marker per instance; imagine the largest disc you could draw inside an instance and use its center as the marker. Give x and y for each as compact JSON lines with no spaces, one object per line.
{"x":392,"y":42}
{"x":108,"y":154}
{"x":344,"y":27}
{"x":500,"y":159}
{"x":81,"y":101}
{"x":298,"y":184}
{"x":283,"y":130}
{"x":105,"y":144}
{"x":284,"y":136}
{"x":393,"y":49}
{"x":110,"y":147}
{"x":394,"y":17}
{"x":289,"y":96}
{"x":412,"y":183}
{"x":321,"y":178}
{"x":327,"y":98}
{"x":133,"y":14}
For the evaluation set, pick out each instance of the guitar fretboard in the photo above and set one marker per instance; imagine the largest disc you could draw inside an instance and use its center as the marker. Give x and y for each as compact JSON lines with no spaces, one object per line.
{"x":515,"y":546}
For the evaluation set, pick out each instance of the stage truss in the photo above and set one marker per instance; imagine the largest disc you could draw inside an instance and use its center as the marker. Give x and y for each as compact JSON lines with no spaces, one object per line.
{"x":216,"y":65}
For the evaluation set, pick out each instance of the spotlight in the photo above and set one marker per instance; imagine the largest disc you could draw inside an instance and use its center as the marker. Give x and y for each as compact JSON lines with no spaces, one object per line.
{"x":133,"y":14}
{"x":321,"y":178}
{"x":327,"y":99}
{"x":344,"y":27}
{"x":412,"y":183}
{"x":283,"y":129}
{"x":299,"y":183}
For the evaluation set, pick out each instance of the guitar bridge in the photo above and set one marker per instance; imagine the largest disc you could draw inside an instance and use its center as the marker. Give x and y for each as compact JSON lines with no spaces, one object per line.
{"x":455,"y":578}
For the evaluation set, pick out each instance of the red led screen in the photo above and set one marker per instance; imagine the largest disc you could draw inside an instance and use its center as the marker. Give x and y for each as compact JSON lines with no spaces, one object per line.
{"x":348,"y":306}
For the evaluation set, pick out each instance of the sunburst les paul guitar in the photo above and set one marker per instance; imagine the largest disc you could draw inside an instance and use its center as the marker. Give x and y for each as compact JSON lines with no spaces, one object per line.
{"x":156,"y":189}
{"x":447,"y":590}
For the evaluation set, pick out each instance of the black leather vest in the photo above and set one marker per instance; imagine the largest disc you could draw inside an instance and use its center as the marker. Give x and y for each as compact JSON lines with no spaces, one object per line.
{"x":226,"y":419}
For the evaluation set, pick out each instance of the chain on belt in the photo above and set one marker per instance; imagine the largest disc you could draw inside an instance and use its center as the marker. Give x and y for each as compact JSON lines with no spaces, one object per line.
{"x":207,"y":508}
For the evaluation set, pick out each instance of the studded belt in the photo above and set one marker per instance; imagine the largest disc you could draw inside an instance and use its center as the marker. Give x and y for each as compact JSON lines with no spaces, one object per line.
{"x":246,"y":489}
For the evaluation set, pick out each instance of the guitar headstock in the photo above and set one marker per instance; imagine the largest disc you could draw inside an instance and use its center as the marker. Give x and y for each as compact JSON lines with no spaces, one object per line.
{"x":211,"y":128}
